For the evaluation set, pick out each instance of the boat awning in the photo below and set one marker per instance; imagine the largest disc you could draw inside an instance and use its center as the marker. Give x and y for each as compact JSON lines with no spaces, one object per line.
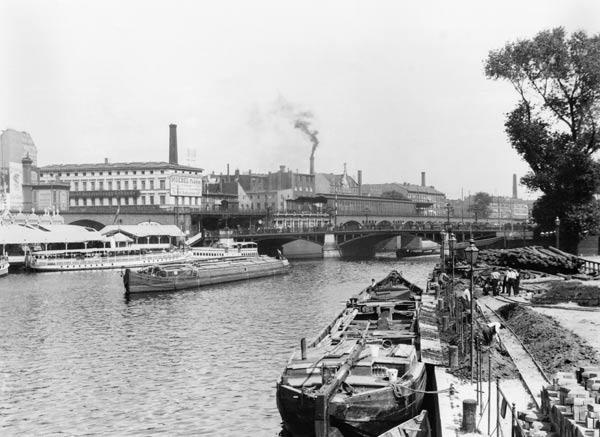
{"x":143,"y":230}
{"x":37,"y":234}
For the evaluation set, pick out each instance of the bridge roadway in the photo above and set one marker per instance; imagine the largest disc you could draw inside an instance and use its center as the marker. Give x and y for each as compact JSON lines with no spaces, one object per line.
{"x":358,"y":243}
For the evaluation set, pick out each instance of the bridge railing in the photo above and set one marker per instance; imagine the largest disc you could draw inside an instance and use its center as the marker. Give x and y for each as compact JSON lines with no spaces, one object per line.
{"x":240,"y":232}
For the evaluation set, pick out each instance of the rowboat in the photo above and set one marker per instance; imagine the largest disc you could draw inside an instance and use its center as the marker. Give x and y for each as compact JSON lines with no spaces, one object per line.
{"x":362,"y":374}
{"x":176,"y":277}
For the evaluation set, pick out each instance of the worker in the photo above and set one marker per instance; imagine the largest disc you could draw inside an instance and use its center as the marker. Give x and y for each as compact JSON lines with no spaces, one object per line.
{"x":516,"y":282}
{"x":490,"y":333}
{"x":495,"y":280}
{"x":510,"y":280}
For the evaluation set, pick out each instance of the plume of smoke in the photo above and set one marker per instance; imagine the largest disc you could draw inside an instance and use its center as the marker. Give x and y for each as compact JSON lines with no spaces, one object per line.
{"x":304,"y":126}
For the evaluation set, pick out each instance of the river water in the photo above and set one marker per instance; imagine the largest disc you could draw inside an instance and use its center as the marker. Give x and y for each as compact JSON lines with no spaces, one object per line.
{"x":77,"y":358}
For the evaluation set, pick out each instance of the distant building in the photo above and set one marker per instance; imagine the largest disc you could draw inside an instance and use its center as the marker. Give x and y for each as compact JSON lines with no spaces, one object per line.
{"x":428,"y":200}
{"x":163,"y":184}
{"x":500,"y":208}
{"x":509,"y":208}
{"x":330,"y":183}
{"x":128,"y":183}
{"x":20,"y":187}
{"x":269,"y":192}
{"x":14,"y":146}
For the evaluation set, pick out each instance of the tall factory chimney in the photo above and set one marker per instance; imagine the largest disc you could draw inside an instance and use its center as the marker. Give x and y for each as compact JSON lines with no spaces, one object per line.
{"x":312,"y":164}
{"x":173,"y":144}
{"x":359,"y":177}
{"x":514,"y":186}
{"x":422,"y":178}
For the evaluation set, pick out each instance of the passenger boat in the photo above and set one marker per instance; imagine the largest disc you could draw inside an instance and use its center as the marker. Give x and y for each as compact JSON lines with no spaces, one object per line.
{"x":4,"y":264}
{"x":100,"y":259}
{"x":362,"y":374}
{"x":418,"y":426}
{"x":192,"y":275}
{"x":130,"y":256}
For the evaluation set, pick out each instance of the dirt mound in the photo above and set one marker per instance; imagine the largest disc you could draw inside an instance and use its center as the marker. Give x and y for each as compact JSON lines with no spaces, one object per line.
{"x":502,"y":364}
{"x":584,"y":293}
{"x":554,"y":347}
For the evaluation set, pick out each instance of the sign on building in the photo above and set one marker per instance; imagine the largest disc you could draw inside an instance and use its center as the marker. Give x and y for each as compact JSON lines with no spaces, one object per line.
{"x":185,"y":185}
{"x":15,"y":185}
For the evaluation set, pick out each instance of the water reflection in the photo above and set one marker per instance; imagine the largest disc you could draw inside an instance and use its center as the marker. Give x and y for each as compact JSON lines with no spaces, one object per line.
{"x":76,"y":357}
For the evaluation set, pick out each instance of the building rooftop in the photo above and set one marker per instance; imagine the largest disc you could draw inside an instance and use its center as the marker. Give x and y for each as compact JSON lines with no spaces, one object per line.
{"x":103,"y":166}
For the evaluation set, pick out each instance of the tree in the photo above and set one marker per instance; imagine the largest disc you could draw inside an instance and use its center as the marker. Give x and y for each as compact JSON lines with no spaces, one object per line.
{"x":554,"y":126}
{"x":481,"y":205}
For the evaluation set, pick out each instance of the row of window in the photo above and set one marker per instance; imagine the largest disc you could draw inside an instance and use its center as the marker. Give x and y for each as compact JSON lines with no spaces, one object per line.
{"x":117,"y":185}
{"x":142,"y":200}
{"x":118,"y":172}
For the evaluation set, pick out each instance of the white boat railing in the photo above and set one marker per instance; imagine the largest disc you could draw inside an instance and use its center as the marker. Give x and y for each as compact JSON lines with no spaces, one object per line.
{"x":121,"y":259}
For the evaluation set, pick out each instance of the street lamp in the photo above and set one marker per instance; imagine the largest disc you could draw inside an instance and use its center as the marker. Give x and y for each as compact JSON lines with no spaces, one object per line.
{"x":557,"y":231}
{"x":451,"y":243}
{"x":471,"y":253}
{"x":367,"y":218}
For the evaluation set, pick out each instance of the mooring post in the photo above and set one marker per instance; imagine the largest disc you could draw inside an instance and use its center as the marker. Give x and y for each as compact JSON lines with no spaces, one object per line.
{"x":303,"y":348}
{"x":469,"y":412}
{"x":514,"y":420}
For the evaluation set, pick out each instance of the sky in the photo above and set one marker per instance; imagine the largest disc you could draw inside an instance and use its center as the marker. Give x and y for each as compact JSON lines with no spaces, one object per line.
{"x":393,"y":88}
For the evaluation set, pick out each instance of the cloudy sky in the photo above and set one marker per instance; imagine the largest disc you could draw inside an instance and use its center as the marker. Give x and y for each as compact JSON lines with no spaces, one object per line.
{"x":394,"y":88}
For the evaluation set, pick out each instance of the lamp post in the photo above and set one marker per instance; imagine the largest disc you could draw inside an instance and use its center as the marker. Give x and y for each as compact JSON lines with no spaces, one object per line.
{"x":471,"y":253}
{"x":367,"y":218}
{"x":450,"y":297}
{"x":557,"y":231}
{"x":451,"y":243}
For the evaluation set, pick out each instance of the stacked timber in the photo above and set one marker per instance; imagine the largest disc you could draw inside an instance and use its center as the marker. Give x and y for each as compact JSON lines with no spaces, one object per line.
{"x":548,"y":260}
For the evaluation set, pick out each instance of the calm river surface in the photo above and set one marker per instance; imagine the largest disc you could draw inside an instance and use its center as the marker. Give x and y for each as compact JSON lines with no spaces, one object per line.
{"x":77,"y":358}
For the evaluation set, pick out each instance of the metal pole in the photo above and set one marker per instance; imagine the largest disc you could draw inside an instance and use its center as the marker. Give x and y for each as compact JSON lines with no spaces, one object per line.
{"x":489,"y":403}
{"x":557,"y":222}
{"x":472,"y":322}
{"x":497,"y":405}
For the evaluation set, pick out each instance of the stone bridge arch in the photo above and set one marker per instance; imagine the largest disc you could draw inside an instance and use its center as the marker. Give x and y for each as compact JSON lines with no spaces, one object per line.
{"x":364,"y":246}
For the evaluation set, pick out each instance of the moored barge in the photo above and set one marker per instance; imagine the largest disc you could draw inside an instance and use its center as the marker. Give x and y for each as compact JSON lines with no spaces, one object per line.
{"x":363,"y":374}
{"x":192,"y":275}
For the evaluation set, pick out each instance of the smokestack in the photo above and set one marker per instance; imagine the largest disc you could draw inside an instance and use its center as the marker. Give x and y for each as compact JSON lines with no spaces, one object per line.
{"x":514,"y":185}
{"x":422,"y":178}
{"x":312,"y":164}
{"x":173,"y":144}
{"x":359,"y":182}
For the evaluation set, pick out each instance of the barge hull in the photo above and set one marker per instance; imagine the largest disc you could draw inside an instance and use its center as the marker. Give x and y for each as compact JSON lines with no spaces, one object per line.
{"x":139,"y":283}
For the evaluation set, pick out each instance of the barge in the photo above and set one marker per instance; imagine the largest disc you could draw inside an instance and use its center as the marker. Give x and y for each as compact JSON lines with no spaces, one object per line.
{"x":362,"y":374}
{"x":177,"y":277}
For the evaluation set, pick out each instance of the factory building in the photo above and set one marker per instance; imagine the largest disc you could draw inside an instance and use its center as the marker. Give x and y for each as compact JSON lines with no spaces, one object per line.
{"x":162,"y":184}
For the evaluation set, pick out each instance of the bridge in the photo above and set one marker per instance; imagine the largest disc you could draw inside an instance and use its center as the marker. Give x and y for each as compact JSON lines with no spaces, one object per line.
{"x":362,"y":243}
{"x":195,"y":218}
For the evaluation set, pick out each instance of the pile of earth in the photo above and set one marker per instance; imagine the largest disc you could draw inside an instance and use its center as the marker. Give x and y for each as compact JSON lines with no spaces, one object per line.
{"x":584,"y":293}
{"x":554,"y":347}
